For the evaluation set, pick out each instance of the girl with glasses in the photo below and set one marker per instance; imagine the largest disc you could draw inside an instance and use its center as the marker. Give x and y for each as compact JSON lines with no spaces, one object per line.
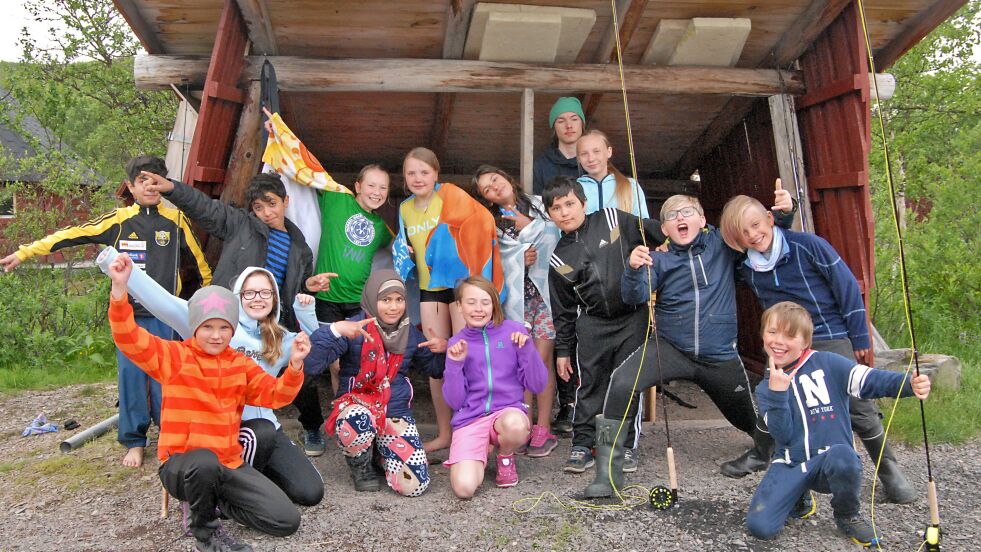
{"x":259,"y":336}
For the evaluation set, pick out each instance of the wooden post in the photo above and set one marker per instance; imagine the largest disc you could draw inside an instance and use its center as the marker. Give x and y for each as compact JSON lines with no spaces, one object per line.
{"x":790,"y":156}
{"x":246,"y":150}
{"x":650,"y":404}
{"x":527,"y":138}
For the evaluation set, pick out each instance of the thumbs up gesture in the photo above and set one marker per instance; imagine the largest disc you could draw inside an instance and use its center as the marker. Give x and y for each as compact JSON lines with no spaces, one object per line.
{"x":781,"y":199}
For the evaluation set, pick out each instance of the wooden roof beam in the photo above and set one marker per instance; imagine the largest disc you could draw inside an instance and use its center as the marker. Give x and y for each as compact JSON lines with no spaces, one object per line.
{"x":144,"y":32}
{"x":915,"y":30}
{"x":454,"y":40}
{"x":629,"y":15}
{"x":794,"y":41}
{"x":255,"y":13}
{"x":432,"y":76}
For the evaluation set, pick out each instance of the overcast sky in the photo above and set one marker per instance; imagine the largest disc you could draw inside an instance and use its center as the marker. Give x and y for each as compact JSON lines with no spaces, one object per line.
{"x":13,"y":20}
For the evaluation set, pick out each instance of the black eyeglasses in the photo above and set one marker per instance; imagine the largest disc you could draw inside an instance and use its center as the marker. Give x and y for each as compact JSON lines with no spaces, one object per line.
{"x":250,"y":294}
{"x":685,"y":212}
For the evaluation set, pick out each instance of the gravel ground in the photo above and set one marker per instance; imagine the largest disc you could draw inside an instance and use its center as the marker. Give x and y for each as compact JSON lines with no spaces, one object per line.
{"x":86,"y":500}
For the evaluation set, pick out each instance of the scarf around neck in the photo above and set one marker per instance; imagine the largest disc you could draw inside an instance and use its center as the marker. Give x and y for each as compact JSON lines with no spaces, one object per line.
{"x":759,"y":262}
{"x":380,"y":283}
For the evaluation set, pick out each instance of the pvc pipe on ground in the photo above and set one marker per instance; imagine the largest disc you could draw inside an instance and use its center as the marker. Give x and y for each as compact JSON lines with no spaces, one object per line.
{"x":76,"y":441}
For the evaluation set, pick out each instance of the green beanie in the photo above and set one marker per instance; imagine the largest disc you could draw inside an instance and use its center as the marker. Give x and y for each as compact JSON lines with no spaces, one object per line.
{"x":565,"y":104}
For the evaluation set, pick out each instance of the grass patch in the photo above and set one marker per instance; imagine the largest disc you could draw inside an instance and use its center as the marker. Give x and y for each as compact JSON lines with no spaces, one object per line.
{"x":24,"y":378}
{"x":952,"y":416}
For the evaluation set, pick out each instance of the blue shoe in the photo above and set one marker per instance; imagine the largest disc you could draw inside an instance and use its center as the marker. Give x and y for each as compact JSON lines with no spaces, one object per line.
{"x":313,"y":442}
{"x":580,"y":460}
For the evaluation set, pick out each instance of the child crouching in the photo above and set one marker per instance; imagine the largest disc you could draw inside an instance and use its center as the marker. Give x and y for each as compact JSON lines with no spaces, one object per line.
{"x":804,"y":401}
{"x":488,"y":369}
{"x":205,"y":385}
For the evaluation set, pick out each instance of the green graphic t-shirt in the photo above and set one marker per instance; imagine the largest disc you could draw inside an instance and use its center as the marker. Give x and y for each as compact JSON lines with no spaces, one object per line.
{"x":348,"y":241}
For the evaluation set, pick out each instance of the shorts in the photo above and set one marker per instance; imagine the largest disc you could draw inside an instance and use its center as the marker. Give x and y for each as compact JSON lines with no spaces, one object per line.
{"x":328,"y":311}
{"x":441,"y":296}
{"x":473,"y":441}
{"x":538,"y":318}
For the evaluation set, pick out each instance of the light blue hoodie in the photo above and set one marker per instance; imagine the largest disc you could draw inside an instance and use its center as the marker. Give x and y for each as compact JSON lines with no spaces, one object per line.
{"x":172,"y":311}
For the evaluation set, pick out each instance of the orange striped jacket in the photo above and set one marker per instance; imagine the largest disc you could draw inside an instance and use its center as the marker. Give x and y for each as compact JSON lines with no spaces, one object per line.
{"x":203,"y":395}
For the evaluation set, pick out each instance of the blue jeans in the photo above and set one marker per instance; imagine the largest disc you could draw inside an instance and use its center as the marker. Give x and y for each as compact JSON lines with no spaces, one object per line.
{"x":139,"y":394}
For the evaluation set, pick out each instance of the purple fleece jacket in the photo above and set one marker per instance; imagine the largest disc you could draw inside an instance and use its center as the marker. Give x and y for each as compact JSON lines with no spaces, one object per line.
{"x":494,"y":374}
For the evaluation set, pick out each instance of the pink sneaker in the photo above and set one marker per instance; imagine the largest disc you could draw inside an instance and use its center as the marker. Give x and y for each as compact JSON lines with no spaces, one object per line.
{"x":507,"y":472}
{"x":542,"y":442}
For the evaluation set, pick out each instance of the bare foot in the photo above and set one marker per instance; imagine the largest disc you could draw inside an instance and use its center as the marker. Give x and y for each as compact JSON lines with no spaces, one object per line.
{"x":133,"y":458}
{"x":439,"y":443}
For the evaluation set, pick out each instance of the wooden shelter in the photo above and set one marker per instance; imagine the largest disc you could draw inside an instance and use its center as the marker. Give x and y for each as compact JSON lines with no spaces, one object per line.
{"x":366,"y":81}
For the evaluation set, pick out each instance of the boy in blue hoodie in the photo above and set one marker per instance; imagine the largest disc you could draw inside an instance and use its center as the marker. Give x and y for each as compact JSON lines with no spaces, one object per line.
{"x":781,"y":265}
{"x":804,"y":400}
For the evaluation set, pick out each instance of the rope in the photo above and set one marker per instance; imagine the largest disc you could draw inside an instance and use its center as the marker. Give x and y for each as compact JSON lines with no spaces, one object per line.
{"x":621,"y":494}
{"x":907,"y":306}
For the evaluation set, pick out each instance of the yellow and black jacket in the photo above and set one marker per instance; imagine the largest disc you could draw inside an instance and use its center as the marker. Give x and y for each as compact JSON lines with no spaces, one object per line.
{"x":154,"y":237}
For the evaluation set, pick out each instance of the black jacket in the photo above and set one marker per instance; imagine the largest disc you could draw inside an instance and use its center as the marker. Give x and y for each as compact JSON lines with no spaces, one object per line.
{"x":586,"y":268}
{"x":246,"y":239}
{"x":553,"y":163}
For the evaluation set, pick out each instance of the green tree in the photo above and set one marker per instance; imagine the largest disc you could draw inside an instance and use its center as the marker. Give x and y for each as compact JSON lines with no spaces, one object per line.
{"x":933,"y":125}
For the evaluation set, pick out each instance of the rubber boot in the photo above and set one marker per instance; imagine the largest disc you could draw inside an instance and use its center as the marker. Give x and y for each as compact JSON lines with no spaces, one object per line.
{"x":898,"y":489}
{"x":607,"y":447}
{"x":363,"y":472}
{"x":753,"y":460}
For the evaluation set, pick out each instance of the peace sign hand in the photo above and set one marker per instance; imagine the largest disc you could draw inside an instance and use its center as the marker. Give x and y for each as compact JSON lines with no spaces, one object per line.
{"x":781,"y":199}
{"x":780,"y":380}
{"x":351,"y":329}
{"x":435,"y":343}
{"x":458,"y":351}
{"x":519,"y":219}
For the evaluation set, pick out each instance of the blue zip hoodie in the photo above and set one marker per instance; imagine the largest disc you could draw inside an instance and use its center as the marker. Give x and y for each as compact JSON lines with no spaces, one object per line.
{"x":812,"y":274}
{"x":494,"y":374}
{"x":812,"y":415}
{"x":601,"y":194}
{"x":326,"y":347}
{"x":696,"y":295}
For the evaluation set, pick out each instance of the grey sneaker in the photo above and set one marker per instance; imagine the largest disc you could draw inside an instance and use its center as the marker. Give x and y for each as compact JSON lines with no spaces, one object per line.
{"x":313,"y":442}
{"x":226,"y":539}
{"x":562,"y":424}
{"x":857,"y":529}
{"x":629,"y":460}
{"x":580,"y":460}
{"x":216,"y":544}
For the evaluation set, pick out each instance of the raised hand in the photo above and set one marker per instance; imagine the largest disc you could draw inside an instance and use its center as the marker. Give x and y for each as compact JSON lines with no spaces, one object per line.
{"x":320,"y":282}
{"x":781,"y":199}
{"x":120,"y":270}
{"x":640,"y":256}
{"x":563,"y":367}
{"x":159,"y":184}
{"x":520,"y":220}
{"x":519,"y":338}
{"x":9,"y":262}
{"x":435,"y":343}
{"x":458,"y":351}
{"x":304,"y":299}
{"x":780,"y":380}
{"x":921,"y":386}
{"x":531,"y":256}
{"x":300,"y":349}
{"x":351,"y":329}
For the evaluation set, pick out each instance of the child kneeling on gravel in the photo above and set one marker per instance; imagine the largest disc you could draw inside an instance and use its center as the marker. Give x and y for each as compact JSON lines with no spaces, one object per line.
{"x":804,"y":400}
{"x":205,"y":385}
{"x":488,"y":368}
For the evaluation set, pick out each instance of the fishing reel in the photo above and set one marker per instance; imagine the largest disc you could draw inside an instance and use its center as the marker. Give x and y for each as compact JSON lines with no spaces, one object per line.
{"x":931,"y":538}
{"x":663,"y":498}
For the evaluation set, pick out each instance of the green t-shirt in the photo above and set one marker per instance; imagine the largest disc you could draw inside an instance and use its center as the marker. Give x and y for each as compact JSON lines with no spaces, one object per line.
{"x":348,"y":241}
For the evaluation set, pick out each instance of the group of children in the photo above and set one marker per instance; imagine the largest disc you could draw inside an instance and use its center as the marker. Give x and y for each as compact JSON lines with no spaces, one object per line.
{"x":573,"y":270}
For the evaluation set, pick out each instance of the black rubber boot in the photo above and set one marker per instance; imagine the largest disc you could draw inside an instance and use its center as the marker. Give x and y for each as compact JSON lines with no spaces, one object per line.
{"x":363,"y":472}
{"x":607,"y":447}
{"x":898,"y":489}
{"x":753,"y":460}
